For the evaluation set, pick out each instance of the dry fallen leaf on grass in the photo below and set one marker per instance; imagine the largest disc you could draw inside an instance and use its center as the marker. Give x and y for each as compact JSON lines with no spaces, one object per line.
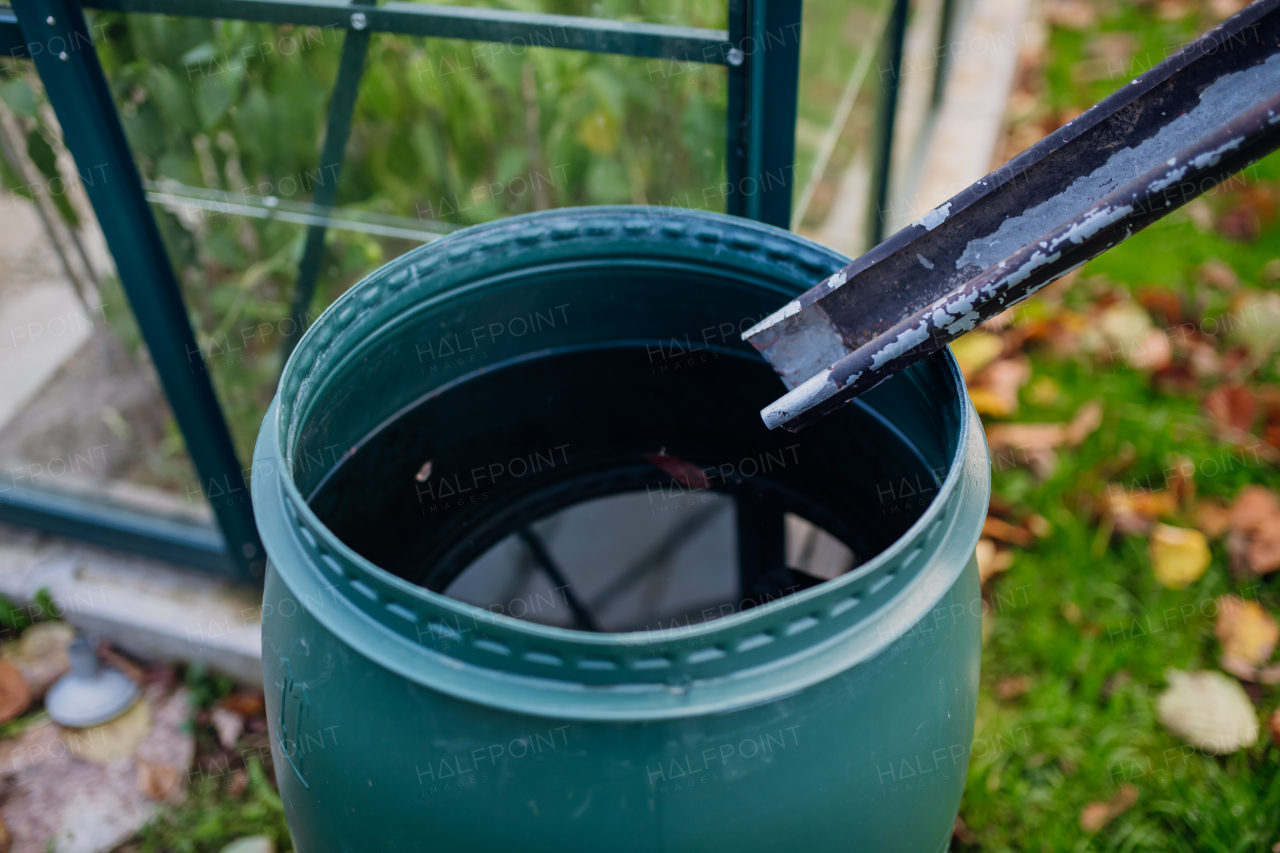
{"x":973,"y":352}
{"x":1179,"y":556}
{"x":1012,"y":687}
{"x":991,"y":561}
{"x":1212,"y":518}
{"x":1232,"y":407}
{"x":1033,"y":444}
{"x":1097,"y":815}
{"x":1246,"y":631}
{"x":159,"y":781}
{"x":1209,"y":711}
{"x":228,"y":724}
{"x":1248,"y":635}
{"x":1135,"y":511}
{"x":994,"y":391}
{"x":1254,"y":542}
{"x":1218,"y":273}
{"x":115,"y":739}
{"x":996,"y":528}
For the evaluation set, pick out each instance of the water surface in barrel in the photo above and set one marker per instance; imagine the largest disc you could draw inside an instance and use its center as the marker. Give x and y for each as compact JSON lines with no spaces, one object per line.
{"x":618,"y":488}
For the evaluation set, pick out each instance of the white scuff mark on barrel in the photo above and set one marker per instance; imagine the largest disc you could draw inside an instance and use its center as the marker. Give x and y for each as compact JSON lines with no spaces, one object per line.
{"x":837,"y":280}
{"x":924,"y":262}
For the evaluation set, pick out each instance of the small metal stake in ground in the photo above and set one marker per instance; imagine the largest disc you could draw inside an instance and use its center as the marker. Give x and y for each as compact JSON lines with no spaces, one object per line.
{"x":90,"y":694}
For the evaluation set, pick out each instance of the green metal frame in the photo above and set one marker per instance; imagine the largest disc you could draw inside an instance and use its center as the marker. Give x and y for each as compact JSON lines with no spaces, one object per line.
{"x":760,"y":50}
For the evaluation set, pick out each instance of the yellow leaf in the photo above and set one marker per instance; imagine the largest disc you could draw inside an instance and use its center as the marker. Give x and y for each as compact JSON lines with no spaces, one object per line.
{"x":109,"y":741}
{"x":1179,"y":556}
{"x":975,"y":351}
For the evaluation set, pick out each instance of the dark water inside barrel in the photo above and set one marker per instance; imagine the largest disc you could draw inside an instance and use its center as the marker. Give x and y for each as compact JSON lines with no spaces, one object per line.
{"x":609,"y":488}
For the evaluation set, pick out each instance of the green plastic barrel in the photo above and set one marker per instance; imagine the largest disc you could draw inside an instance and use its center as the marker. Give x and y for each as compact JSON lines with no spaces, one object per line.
{"x":475,"y":387}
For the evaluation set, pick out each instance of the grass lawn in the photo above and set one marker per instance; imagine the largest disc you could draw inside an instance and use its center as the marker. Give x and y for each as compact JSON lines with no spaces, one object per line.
{"x":1080,"y":633}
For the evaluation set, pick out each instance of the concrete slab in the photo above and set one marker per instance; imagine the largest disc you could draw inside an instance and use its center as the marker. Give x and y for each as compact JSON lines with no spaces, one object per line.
{"x":149,"y":609}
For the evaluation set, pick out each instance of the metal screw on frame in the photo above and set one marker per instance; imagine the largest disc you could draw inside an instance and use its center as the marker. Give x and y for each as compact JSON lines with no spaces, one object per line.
{"x":359,"y":21}
{"x":735,"y":57}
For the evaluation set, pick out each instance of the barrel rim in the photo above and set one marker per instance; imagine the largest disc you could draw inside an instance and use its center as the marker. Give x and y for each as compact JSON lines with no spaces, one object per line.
{"x":724,"y":662}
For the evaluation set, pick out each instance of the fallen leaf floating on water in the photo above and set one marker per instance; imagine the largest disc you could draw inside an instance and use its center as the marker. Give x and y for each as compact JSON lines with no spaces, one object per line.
{"x":1254,"y":541}
{"x":685,"y":473}
{"x":1209,"y":711}
{"x":1097,"y":815}
{"x":1179,"y":556}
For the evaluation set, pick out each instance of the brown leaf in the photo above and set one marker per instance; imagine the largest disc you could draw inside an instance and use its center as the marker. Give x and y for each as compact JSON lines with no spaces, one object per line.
{"x":1255,"y":529}
{"x":1086,"y":419}
{"x":1273,"y":723}
{"x":1012,"y":687}
{"x":994,"y":528}
{"x":1071,"y":14}
{"x":159,"y":781}
{"x":1219,"y":274}
{"x":1231,"y":406}
{"x":685,"y":473}
{"x":1246,"y":631}
{"x":15,"y":695}
{"x":1097,"y":815}
{"x":994,"y":391}
{"x":246,"y":703}
{"x":959,"y":830}
{"x":991,"y":561}
{"x":1211,"y":518}
{"x":1135,"y":510}
{"x":1163,"y":303}
{"x":975,"y":351}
